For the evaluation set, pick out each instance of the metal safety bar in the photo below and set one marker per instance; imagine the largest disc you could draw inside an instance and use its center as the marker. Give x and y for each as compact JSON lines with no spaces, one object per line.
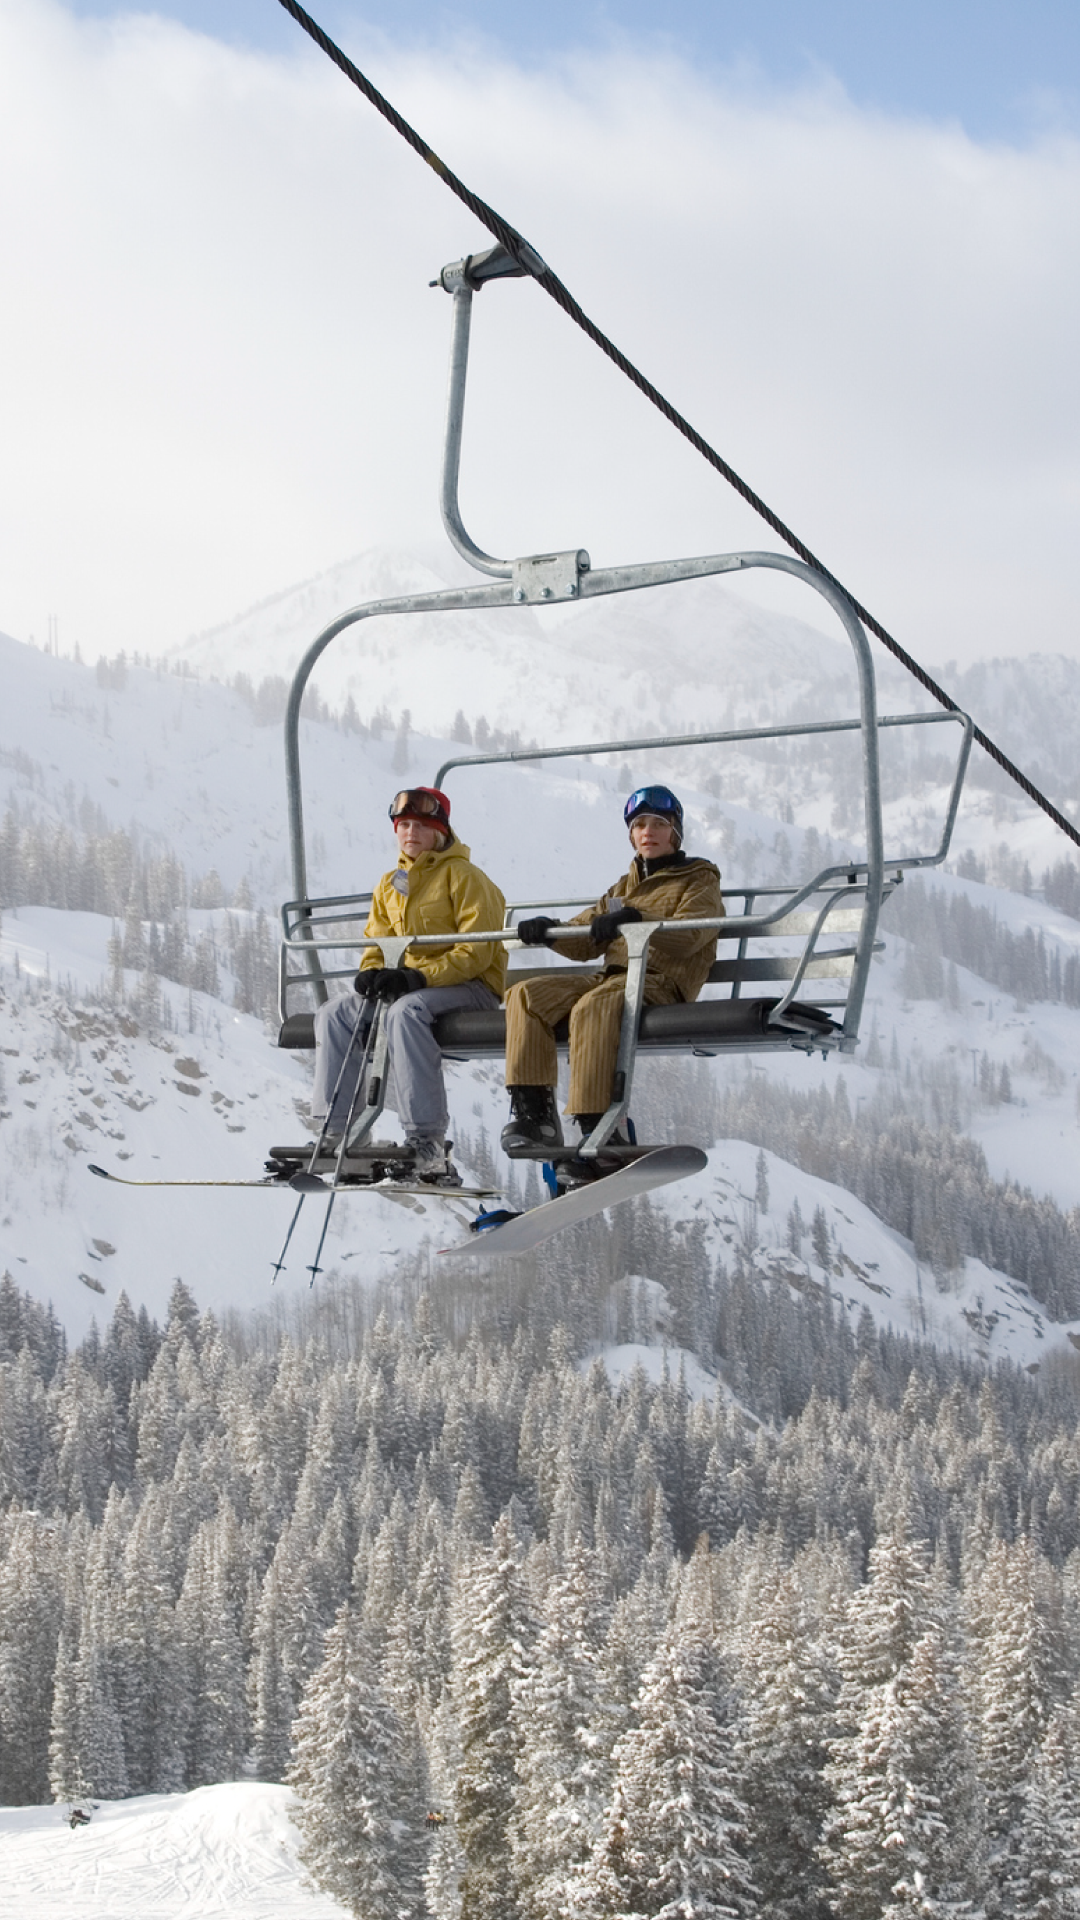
{"x":302,"y":920}
{"x":637,"y":937}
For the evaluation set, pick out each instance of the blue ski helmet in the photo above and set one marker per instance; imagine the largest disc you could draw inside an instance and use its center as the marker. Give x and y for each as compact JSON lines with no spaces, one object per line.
{"x":658,"y":800}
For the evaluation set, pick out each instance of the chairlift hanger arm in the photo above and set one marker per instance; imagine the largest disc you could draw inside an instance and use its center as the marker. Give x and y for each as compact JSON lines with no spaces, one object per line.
{"x":543,"y":578}
{"x":455,"y":414}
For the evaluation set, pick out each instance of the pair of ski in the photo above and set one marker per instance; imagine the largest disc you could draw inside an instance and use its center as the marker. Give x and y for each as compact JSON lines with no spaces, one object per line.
{"x":498,"y":1232}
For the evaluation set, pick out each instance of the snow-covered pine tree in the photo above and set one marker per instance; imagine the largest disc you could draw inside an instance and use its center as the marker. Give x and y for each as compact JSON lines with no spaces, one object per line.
{"x":84,"y":1416}
{"x":675,"y":1835}
{"x":560,"y":1792}
{"x":209,"y":1646}
{"x":445,"y":1860}
{"x":30,"y":1614}
{"x":1042,"y":1878}
{"x":361,"y":1834}
{"x":22,"y":1430}
{"x":1015,"y":1685}
{"x":786,"y":1696}
{"x":99,"y":1767}
{"x":272,"y":1702}
{"x":903,"y":1836}
{"x":637,"y":1622}
{"x":65,"y":1773}
{"x":151,"y":1688}
{"x":487,"y":1632}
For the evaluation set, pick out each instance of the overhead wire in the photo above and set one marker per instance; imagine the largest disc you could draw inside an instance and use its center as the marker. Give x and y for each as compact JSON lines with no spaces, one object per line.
{"x":532,"y":263}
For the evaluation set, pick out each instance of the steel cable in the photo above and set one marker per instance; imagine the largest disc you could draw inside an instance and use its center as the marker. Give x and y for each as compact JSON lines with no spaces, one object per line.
{"x":529,"y":260}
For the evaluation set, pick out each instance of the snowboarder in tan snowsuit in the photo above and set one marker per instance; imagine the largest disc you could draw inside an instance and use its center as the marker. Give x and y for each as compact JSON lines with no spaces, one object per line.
{"x":663,"y":883}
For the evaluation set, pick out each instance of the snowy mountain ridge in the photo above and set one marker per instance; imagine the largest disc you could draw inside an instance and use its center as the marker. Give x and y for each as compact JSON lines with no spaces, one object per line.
{"x":676,"y":653}
{"x":699,"y":654}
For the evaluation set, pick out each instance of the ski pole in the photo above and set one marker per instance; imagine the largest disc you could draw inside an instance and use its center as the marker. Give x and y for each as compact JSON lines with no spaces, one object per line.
{"x":279,"y":1263}
{"x":360,"y":1087}
{"x":353,"y":1037}
{"x":368,"y":1044}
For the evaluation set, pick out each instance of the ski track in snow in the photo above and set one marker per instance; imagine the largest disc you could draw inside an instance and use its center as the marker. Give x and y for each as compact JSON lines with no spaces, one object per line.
{"x":219,"y":1853}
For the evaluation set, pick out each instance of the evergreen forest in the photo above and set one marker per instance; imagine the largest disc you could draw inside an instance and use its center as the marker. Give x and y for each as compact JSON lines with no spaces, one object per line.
{"x":529,"y":1643}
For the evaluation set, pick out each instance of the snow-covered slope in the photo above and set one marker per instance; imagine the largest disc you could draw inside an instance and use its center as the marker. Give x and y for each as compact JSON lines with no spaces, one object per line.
{"x":184,"y":767}
{"x":219,"y":1853}
{"x":978,"y":1312}
{"x":205,"y":1099}
{"x":201,"y":1097}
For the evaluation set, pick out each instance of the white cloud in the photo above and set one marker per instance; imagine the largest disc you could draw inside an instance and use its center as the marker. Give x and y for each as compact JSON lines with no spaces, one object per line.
{"x":224,"y":370}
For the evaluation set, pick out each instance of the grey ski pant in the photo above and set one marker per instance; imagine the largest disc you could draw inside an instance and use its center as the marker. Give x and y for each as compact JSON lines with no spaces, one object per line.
{"x":415,"y":1059}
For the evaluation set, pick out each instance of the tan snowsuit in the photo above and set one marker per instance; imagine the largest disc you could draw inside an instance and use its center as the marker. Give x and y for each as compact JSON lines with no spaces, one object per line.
{"x":678,"y":966}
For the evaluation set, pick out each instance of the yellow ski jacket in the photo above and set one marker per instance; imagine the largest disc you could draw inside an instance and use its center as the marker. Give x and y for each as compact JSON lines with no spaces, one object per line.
{"x":441,"y":892}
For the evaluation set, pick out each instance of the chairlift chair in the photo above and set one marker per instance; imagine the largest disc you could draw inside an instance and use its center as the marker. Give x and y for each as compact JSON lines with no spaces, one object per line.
{"x":832,"y":916}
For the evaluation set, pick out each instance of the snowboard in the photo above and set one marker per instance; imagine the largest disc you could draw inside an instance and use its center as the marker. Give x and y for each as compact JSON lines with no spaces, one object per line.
{"x":521,"y":1232}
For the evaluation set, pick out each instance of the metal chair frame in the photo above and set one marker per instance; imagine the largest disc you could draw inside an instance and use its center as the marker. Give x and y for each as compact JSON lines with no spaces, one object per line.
{"x":309,"y":925}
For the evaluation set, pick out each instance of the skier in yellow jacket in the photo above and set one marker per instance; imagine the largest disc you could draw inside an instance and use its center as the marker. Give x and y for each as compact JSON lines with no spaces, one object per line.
{"x":663,"y":883}
{"x":433,"y":889}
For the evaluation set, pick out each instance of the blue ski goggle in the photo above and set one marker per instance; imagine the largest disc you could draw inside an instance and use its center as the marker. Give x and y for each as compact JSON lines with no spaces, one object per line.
{"x":653,"y":800}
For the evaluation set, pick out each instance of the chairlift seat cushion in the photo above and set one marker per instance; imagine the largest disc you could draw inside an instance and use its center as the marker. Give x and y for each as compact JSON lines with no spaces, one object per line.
{"x":689,"y":1026}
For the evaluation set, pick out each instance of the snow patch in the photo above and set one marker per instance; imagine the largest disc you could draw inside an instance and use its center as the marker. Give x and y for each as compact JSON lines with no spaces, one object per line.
{"x":219,"y":1853}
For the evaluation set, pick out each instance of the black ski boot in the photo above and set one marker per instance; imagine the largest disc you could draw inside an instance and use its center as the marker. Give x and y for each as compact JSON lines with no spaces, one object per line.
{"x":533,"y":1122}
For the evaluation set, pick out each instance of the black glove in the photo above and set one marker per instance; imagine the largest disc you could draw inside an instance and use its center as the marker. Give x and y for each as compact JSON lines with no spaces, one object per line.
{"x":389,"y":983}
{"x":534,"y":932}
{"x":604,"y":926}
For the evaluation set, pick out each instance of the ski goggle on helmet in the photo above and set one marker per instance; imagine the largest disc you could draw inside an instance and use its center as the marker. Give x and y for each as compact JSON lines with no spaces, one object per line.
{"x":658,"y":800}
{"x":425,"y":804}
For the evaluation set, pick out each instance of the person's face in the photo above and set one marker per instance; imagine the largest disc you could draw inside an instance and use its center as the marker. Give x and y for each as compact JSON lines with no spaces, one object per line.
{"x":651,"y":836}
{"x":415,"y":837}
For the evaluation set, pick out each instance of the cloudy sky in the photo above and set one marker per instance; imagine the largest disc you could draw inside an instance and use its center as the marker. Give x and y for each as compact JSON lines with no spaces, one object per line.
{"x":842,"y":238}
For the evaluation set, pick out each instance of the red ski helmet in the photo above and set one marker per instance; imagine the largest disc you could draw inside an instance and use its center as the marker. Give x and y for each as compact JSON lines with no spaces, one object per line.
{"x":425,"y":804}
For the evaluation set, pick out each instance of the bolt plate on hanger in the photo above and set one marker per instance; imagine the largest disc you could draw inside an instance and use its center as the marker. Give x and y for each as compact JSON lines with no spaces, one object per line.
{"x":550,"y":576}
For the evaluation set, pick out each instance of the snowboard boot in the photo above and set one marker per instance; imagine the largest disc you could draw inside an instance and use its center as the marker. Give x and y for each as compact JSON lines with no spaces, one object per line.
{"x":581,"y":1173}
{"x":432,"y":1165}
{"x":534,"y":1121}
